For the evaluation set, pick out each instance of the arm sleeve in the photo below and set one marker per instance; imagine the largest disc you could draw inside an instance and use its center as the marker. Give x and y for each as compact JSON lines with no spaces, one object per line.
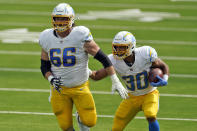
{"x":100,"y":56}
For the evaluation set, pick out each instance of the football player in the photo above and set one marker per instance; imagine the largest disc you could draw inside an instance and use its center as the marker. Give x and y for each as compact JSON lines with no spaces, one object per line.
{"x":133,"y":65}
{"x":64,"y":63}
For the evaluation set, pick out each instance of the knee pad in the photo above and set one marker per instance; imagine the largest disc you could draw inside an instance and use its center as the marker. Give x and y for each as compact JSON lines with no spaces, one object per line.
{"x":89,"y":119}
{"x":150,"y":114}
{"x":65,"y":127}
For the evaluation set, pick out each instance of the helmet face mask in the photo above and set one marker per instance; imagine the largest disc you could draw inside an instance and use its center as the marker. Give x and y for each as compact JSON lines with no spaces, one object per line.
{"x":121,"y":50}
{"x":123,"y":45}
{"x":63,"y":17}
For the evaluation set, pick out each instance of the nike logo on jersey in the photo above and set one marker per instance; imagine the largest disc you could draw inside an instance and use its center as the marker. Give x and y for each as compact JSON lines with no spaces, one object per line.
{"x":81,"y":89}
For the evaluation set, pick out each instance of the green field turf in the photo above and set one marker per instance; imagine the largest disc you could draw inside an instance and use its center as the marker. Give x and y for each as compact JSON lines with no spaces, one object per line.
{"x":174,"y":39}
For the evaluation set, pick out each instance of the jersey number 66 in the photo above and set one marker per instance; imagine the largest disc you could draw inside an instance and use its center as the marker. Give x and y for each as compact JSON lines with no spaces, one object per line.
{"x":59,"y":57}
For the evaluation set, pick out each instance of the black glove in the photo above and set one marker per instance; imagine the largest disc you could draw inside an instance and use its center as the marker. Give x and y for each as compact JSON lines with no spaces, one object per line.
{"x":56,"y":82}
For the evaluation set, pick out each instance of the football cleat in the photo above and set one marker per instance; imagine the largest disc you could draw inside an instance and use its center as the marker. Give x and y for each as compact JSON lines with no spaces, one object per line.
{"x":123,"y":44}
{"x":63,"y":17}
{"x":82,"y":127}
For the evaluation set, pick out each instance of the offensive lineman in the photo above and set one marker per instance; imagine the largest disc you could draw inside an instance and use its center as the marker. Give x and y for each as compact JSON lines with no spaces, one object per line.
{"x":133,"y":65}
{"x":64,"y":62}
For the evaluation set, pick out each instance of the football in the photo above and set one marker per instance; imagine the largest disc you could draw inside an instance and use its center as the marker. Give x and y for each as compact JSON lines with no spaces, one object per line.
{"x":153,"y":73}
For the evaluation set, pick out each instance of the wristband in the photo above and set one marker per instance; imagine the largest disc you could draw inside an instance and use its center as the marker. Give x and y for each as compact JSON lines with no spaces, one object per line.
{"x":50,"y":78}
{"x":45,"y":66}
{"x":165,"y":77}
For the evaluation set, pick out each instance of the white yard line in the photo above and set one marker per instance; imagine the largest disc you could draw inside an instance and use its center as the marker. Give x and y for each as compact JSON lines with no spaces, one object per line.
{"x":19,"y":69}
{"x":19,"y":52}
{"x":102,"y":116}
{"x":23,"y":12}
{"x":183,"y":75}
{"x":179,"y":58}
{"x":24,"y":24}
{"x":179,"y":95}
{"x":157,"y":42}
{"x":26,"y":113}
{"x":170,"y":95}
{"x":104,"y":4}
{"x":93,"y":92}
{"x":24,"y":90}
{"x":6,"y":52}
{"x":108,"y":27}
{"x":37,"y":13}
{"x":111,"y":27}
{"x":183,"y":0}
{"x":38,"y":70}
{"x":153,"y":42}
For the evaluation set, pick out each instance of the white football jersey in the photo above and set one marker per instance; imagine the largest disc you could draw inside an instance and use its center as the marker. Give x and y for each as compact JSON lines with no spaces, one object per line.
{"x":67,"y":55}
{"x":136,"y":76}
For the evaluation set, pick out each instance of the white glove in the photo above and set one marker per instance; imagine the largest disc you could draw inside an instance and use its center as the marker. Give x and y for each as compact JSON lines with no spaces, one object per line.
{"x":117,"y":86}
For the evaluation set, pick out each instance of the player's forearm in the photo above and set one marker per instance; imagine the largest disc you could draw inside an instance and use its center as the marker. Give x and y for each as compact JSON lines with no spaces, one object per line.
{"x":48,"y":74}
{"x":110,"y":70}
{"x":162,"y":65}
{"x":98,"y":75}
{"x":166,"y":69}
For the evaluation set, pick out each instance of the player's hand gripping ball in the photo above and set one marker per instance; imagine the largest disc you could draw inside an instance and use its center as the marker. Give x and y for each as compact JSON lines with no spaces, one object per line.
{"x":156,"y":78}
{"x":153,"y":73}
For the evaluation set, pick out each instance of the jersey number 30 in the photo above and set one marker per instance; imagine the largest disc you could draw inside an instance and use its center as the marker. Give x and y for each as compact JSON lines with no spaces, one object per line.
{"x":66,"y":60}
{"x":139,"y":81}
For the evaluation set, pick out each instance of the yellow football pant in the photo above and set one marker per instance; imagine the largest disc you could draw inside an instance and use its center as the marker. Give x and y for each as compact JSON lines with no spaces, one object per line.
{"x":127,"y":110}
{"x":62,"y":105}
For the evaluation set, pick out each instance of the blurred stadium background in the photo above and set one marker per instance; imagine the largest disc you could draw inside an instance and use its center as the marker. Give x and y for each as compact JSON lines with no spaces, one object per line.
{"x":170,"y":26}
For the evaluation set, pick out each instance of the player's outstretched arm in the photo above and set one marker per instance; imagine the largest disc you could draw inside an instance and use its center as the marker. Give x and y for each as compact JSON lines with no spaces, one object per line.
{"x":92,"y":48}
{"x":98,"y":75}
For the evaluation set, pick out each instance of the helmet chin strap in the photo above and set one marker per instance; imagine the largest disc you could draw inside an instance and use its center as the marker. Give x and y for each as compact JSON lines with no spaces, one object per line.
{"x":62,"y":29}
{"x":63,"y":34}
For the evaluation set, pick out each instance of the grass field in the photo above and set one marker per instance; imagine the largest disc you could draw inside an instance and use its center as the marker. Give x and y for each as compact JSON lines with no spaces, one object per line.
{"x":24,"y":93}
